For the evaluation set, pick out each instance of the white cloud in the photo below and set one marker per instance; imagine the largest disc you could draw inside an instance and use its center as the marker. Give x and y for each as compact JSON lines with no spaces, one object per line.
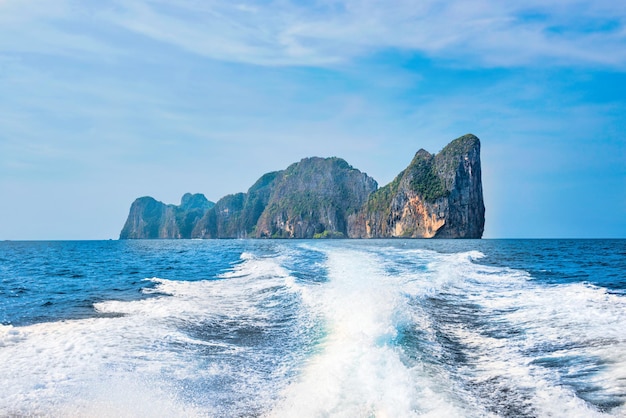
{"x":483,"y":32}
{"x":43,"y":27}
{"x":328,"y":32}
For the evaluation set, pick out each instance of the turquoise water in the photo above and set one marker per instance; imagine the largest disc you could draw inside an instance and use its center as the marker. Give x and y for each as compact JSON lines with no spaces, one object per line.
{"x":372,"y":328}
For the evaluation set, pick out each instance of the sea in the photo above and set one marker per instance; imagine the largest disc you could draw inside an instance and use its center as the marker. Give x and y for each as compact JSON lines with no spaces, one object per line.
{"x":313,"y":328}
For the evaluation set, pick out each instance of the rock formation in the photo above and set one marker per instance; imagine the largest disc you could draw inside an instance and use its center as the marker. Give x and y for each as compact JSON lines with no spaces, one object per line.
{"x":310,"y":198}
{"x":436,"y":196}
{"x":151,"y":219}
{"x":313,"y":198}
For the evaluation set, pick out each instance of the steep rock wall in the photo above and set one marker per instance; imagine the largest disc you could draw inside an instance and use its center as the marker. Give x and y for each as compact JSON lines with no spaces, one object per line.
{"x":435,"y":196}
{"x":150,"y":219}
{"x":313,"y":198}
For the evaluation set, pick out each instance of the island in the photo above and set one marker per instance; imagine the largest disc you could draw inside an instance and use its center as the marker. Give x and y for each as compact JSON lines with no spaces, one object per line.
{"x":435,"y":196}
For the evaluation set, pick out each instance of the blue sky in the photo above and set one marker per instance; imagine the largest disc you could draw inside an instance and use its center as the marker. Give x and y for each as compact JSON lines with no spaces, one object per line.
{"x":105,"y":101}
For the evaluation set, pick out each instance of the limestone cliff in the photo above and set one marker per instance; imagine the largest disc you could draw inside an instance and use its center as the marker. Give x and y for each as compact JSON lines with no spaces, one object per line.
{"x":313,"y":196}
{"x":236,"y":216}
{"x":436,"y":196}
{"x":151,"y":219}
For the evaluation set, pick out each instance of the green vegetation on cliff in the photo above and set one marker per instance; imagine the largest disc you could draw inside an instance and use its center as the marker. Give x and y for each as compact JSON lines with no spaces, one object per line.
{"x":329,"y":235}
{"x":424,"y":179}
{"x":380,"y":200}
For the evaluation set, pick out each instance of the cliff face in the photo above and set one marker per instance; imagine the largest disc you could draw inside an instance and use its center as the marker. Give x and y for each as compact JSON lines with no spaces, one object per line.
{"x":311,"y":197}
{"x":436,"y":196}
{"x":458,"y":165}
{"x":236,"y":216}
{"x":151,"y":219}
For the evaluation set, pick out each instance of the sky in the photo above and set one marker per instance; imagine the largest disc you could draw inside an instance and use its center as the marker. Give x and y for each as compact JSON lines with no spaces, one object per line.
{"x":104,"y":101}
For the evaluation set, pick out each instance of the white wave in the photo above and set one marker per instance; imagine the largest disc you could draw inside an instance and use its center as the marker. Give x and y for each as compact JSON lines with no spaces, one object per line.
{"x":140,"y":357}
{"x":359,"y":371}
{"x":544,"y":323}
{"x":129,"y":364}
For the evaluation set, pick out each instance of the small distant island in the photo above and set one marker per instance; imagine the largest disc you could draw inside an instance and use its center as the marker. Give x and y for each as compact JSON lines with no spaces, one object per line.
{"x":436,"y":196}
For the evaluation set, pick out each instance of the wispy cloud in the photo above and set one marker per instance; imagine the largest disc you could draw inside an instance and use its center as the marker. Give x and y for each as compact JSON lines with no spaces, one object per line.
{"x":479,"y":32}
{"x":330,"y":32}
{"x":57,"y":29}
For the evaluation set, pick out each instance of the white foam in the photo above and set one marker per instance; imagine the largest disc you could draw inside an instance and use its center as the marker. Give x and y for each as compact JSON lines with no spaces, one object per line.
{"x":130,"y":362}
{"x":359,"y":371}
{"x":361,"y":300}
{"x":128,"y":365}
{"x":556,"y":321}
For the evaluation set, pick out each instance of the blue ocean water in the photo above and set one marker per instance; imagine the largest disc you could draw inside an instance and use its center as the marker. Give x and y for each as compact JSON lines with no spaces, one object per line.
{"x":346,"y":328}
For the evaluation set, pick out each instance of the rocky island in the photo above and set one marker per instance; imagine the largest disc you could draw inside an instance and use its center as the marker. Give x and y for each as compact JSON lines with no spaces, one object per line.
{"x":436,"y":196}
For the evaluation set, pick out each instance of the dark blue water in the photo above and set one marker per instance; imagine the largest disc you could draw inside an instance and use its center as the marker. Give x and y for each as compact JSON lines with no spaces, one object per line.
{"x":508,"y":328}
{"x":51,"y":281}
